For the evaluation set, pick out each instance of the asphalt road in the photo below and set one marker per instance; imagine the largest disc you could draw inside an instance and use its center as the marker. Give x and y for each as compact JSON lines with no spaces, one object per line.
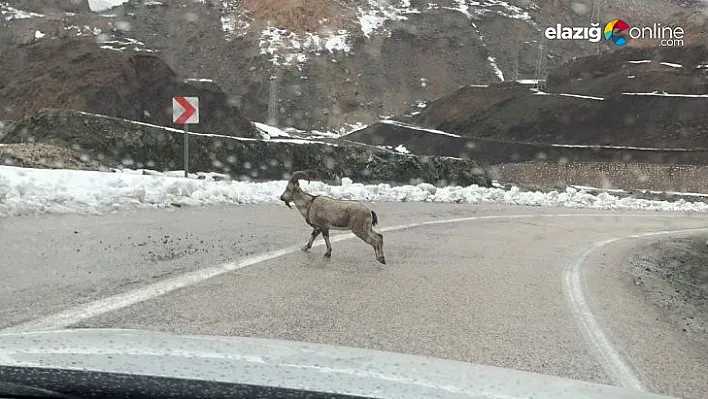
{"x":535,"y":289}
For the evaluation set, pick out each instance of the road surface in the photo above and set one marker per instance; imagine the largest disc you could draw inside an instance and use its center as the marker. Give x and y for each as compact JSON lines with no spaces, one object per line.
{"x":537,"y":289}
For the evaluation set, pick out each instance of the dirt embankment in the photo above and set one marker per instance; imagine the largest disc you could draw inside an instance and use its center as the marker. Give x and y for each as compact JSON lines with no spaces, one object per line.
{"x":77,"y":74}
{"x":604,"y":175}
{"x":513,"y":112}
{"x":48,"y":7}
{"x":673,"y":275}
{"x":109,"y":141}
{"x":493,"y":151}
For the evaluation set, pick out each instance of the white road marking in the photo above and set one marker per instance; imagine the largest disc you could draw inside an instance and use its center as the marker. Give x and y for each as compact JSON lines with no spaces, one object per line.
{"x":615,"y":367}
{"x":610,"y":359}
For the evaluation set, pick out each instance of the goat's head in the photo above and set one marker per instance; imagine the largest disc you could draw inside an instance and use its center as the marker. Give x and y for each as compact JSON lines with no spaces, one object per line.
{"x":293,"y":188}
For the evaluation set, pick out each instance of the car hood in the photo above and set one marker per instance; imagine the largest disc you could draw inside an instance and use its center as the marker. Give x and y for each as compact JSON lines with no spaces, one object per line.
{"x":287,"y":364}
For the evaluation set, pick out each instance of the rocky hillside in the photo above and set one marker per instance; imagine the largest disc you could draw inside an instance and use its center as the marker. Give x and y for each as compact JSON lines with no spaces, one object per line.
{"x":79,"y":74}
{"x":328,"y":63}
{"x":70,"y":139}
{"x":647,"y":99}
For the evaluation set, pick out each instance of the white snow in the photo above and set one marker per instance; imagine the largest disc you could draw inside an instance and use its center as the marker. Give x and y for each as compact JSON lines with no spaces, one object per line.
{"x":422,"y":129}
{"x":199,"y":80}
{"x":665,"y":94}
{"x":373,"y":18}
{"x":702,"y":66}
{"x":581,"y":96}
{"x":103,"y":5}
{"x":475,"y":8}
{"x":289,"y":48}
{"x":349,"y":128}
{"x":38,"y":34}
{"x":269,"y":132}
{"x":11,"y":13}
{"x":654,"y":93}
{"x":623,"y":147}
{"x":639,"y":61}
{"x":527,"y":81}
{"x":401,"y":148}
{"x":495,"y":68}
{"x":25,"y":191}
{"x":671,"y":64}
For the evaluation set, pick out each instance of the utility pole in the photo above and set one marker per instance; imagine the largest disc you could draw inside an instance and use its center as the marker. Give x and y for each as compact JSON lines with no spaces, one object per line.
{"x":273,"y":100}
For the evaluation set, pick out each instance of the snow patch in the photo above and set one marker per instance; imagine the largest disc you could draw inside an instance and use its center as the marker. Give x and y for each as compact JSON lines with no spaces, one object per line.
{"x":401,"y":148}
{"x":289,"y":48}
{"x":474,"y":8}
{"x":581,"y":96}
{"x":103,"y":5}
{"x":375,"y":16}
{"x":422,"y":129}
{"x":665,"y":94}
{"x":351,"y":128}
{"x":269,"y":132}
{"x":11,"y":13}
{"x":123,"y":44}
{"x":671,"y":64}
{"x":25,"y":191}
{"x":495,"y":68}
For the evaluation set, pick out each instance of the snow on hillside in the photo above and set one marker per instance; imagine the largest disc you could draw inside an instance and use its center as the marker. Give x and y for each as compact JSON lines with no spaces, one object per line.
{"x":9,"y":13}
{"x":288,"y":48}
{"x":474,"y":8}
{"x":25,"y":191}
{"x":103,"y":5}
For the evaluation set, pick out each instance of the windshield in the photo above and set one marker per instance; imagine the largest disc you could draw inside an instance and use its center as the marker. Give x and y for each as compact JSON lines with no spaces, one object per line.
{"x":514,"y":183}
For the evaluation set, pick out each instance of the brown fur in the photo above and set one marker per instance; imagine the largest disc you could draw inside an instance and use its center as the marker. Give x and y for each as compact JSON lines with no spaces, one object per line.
{"x":325,"y":213}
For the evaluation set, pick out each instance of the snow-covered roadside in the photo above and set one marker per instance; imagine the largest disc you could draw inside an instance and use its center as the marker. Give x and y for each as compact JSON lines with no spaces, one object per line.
{"x":26,"y":191}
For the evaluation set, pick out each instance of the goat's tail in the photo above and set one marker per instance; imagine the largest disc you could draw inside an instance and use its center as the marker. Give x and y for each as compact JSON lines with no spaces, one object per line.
{"x":374,"y":219}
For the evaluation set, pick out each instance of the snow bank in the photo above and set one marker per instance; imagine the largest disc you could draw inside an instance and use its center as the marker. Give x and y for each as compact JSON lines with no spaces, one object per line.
{"x":26,"y":191}
{"x":103,"y":5}
{"x":10,"y":13}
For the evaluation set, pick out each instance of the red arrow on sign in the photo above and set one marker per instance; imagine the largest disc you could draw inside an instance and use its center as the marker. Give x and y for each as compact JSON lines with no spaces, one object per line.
{"x":188,"y":110}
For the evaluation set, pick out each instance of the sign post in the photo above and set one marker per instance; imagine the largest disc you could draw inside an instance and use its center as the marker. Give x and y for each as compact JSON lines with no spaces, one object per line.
{"x":185,"y":110}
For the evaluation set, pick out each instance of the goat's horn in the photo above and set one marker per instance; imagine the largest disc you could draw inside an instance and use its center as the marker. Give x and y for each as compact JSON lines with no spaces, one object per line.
{"x":296,"y":176}
{"x":311,"y":173}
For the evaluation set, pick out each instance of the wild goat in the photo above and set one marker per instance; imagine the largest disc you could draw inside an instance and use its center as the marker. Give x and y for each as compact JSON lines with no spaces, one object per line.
{"x":325,"y":213}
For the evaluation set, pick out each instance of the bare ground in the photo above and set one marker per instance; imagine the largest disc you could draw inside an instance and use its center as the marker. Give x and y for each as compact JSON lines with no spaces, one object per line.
{"x":673,"y":275}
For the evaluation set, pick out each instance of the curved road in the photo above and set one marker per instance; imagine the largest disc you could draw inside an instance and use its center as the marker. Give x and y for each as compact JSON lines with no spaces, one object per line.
{"x":536,"y":289}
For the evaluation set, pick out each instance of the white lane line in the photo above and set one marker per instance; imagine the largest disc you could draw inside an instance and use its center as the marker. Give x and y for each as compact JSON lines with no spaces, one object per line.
{"x":608,"y":356}
{"x":109,"y":304}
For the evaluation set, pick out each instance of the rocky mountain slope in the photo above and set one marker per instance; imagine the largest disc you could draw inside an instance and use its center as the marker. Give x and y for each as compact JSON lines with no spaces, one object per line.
{"x":329,"y":63}
{"x":633,"y":102}
{"x":78,"y":74}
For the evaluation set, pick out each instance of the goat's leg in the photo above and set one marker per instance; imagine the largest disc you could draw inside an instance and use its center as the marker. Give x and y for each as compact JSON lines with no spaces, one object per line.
{"x":315,"y":232}
{"x":379,"y":246}
{"x":325,"y":235}
{"x":375,"y":240}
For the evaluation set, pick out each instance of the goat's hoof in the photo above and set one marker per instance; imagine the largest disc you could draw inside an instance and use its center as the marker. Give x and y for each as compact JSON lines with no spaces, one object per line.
{"x":327,"y":255}
{"x":304,"y":248}
{"x":382,"y":260}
